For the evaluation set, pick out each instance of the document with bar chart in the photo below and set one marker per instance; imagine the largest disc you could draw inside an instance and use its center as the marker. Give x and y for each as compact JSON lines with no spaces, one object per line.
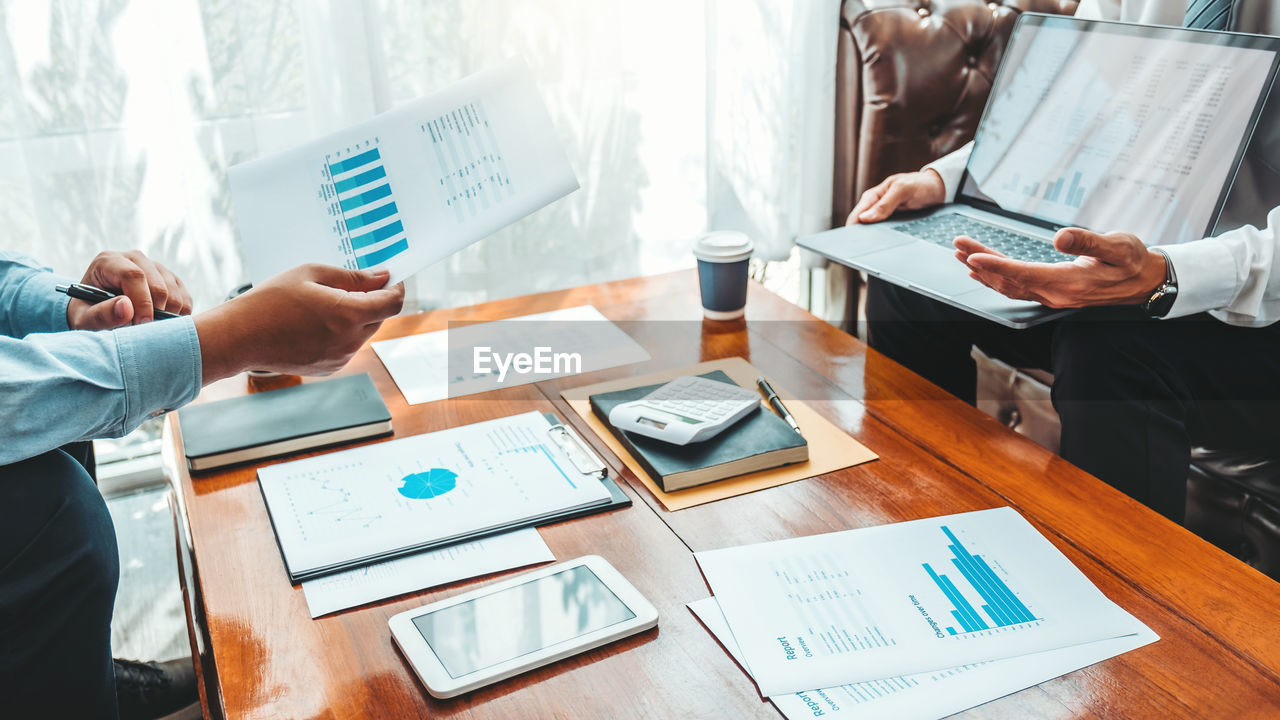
{"x":913,"y":597}
{"x":408,"y":187}
{"x":933,"y":694}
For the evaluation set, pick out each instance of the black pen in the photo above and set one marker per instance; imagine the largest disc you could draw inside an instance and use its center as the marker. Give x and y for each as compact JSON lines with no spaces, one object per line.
{"x":776,"y":403}
{"x":93,"y":296}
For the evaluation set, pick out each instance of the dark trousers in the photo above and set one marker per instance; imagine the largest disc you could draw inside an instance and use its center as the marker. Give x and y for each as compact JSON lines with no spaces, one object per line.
{"x":1134,"y":394}
{"x":59,"y":569}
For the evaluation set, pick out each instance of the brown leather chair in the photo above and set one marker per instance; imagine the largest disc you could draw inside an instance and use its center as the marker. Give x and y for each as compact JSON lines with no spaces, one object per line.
{"x":912,"y":79}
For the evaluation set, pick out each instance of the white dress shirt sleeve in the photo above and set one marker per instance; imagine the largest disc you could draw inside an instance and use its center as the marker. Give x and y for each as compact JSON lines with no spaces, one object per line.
{"x":1101,"y":9}
{"x":950,"y":168}
{"x":1232,"y":276}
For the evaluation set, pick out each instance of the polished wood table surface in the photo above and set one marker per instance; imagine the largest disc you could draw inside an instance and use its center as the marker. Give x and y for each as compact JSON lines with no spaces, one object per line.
{"x":262,"y":656}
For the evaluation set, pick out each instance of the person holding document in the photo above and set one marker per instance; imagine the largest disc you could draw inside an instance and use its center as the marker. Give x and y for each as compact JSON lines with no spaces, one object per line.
{"x":1146,"y":372}
{"x":71,"y":371}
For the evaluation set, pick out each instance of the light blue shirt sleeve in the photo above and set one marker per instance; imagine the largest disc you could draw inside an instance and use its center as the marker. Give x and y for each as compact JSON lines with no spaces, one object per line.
{"x":59,"y":386}
{"x":28,"y":302}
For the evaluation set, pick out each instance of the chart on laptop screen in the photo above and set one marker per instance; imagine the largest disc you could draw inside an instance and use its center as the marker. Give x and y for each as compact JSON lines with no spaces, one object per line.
{"x":1112,"y":130}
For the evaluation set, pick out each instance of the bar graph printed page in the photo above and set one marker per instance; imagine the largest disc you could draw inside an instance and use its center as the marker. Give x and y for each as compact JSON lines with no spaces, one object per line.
{"x":912,"y":597}
{"x":408,"y":187}
{"x":345,"y":506}
{"x":933,"y":694}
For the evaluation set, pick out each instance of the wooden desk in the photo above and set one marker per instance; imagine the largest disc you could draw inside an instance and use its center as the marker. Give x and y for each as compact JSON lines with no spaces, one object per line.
{"x":261,"y":655}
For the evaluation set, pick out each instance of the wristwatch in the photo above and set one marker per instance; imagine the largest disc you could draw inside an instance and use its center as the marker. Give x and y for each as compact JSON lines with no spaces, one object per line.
{"x":1161,"y":301}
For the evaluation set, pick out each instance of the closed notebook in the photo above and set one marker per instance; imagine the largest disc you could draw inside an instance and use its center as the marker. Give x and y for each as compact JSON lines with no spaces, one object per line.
{"x":277,"y":422}
{"x":760,"y":441}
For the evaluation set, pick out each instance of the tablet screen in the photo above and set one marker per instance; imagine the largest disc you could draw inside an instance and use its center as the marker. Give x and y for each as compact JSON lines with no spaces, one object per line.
{"x":519,"y":620}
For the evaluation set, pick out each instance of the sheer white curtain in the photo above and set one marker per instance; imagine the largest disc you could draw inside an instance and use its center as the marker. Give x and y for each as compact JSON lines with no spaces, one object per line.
{"x":121,"y":117}
{"x":771,"y":118}
{"x":623,"y":84}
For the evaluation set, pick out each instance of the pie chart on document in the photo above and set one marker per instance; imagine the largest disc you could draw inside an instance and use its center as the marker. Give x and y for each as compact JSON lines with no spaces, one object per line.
{"x":429,"y":484}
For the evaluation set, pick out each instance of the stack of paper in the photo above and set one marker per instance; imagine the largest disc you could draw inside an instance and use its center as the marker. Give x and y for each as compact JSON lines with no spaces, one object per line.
{"x":916,"y":619}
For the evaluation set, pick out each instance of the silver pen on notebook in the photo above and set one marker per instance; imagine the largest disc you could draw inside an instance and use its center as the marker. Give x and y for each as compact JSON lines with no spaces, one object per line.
{"x":776,"y":403}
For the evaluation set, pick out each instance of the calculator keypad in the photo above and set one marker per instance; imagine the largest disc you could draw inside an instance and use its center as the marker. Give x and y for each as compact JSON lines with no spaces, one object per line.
{"x":701,"y":399}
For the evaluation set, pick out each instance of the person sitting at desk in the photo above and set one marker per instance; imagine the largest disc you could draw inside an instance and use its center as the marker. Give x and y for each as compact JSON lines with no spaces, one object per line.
{"x":61,"y":383}
{"x":1133,"y":393}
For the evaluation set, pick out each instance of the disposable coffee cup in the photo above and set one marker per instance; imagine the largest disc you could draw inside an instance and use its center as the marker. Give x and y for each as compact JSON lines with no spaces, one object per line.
{"x":722,"y":273}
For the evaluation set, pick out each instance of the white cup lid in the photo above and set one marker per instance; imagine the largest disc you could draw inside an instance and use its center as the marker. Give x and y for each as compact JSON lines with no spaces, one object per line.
{"x":723,"y":246}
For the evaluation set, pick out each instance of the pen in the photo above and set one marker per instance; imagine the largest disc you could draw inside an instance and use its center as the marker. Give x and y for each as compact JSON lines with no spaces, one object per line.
{"x":776,"y":403}
{"x":93,"y":296}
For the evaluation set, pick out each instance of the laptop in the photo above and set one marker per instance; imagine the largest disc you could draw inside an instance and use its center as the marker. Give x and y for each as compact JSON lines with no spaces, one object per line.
{"x":1102,"y":125}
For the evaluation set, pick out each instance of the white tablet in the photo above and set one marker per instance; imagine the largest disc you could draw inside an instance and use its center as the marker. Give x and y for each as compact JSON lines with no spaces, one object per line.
{"x":501,"y":630}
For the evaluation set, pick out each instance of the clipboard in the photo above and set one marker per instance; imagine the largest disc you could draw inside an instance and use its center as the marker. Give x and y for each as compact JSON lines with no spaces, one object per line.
{"x":585,"y":461}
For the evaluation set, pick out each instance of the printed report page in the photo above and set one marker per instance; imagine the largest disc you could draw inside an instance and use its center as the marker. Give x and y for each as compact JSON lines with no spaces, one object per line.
{"x":859,"y":605}
{"x":408,"y":187}
{"x":933,"y":694}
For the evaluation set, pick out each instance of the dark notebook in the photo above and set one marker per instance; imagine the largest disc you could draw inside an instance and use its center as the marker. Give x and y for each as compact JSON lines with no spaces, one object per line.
{"x":759,"y":441}
{"x":282,"y":421}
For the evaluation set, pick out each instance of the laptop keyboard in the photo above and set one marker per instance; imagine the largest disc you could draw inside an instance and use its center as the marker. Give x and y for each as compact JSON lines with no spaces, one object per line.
{"x":942,"y":230}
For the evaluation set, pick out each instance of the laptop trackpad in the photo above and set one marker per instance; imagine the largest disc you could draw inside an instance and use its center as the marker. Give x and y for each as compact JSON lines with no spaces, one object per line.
{"x":1017,"y":312}
{"x":855,"y":241}
{"x":921,"y":265}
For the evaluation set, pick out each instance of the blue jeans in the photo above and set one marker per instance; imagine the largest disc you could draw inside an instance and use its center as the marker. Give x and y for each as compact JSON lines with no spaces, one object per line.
{"x":59,"y":568}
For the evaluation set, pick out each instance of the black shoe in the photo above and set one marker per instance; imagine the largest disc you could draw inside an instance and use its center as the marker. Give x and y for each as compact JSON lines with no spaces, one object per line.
{"x":145,"y":691}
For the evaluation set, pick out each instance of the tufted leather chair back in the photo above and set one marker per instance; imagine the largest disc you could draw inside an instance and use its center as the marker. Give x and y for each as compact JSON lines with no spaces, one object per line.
{"x":912,"y":77}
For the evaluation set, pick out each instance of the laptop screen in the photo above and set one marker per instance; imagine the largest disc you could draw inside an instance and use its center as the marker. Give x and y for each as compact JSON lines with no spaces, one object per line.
{"x":1118,"y":127}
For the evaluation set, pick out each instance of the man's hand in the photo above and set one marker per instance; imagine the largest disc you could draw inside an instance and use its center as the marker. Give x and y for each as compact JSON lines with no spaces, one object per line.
{"x":306,"y":321}
{"x":147,"y":286}
{"x":1113,"y":269}
{"x":904,"y":191}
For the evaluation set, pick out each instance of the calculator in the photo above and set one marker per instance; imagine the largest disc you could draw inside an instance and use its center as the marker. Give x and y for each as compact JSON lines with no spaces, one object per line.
{"x":686,"y":410}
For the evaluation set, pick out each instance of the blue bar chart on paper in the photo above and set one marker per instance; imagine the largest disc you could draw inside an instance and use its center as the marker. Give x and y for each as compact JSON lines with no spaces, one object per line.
{"x":1000,"y":606}
{"x":364,"y":207}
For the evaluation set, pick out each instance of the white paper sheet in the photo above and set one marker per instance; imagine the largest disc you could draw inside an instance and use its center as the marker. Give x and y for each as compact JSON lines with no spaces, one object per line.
{"x":408,"y":187}
{"x":933,"y":694}
{"x":436,"y":365}
{"x":425,"y":570}
{"x":866,"y":604}
{"x":370,"y":500}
